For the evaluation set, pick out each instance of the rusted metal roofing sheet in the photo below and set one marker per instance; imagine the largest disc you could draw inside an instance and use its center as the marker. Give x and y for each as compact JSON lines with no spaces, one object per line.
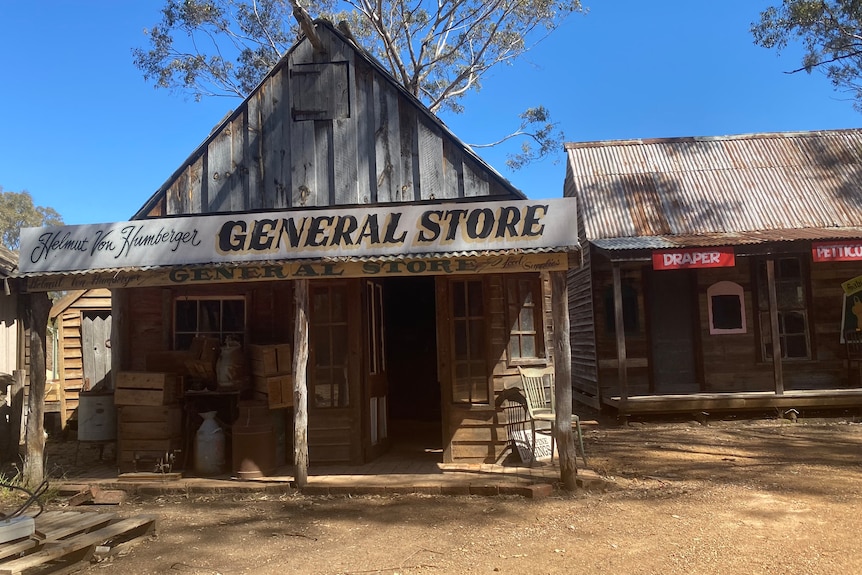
{"x":719,"y":190}
{"x":255,"y":263}
{"x":8,"y":262}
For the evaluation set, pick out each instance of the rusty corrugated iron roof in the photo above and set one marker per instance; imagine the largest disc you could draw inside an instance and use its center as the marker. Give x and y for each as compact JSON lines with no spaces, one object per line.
{"x":342,"y":259}
{"x":719,"y":190}
{"x":8,"y":262}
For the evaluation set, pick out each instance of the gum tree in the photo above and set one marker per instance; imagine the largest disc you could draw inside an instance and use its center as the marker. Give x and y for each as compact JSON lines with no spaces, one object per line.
{"x":830,"y":33}
{"x":439,"y":51}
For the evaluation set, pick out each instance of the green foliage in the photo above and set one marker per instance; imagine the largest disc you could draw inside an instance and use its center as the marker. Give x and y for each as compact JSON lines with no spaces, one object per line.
{"x":439,"y":51}
{"x":829,"y":31}
{"x":541,"y":138}
{"x":18,"y":211}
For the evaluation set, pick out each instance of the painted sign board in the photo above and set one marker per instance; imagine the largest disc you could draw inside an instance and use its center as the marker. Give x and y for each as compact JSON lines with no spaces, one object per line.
{"x":720,"y":257}
{"x":223,"y":273}
{"x":847,"y":251}
{"x":523,"y":440}
{"x":852,"y":286}
{"x":414,"y":230}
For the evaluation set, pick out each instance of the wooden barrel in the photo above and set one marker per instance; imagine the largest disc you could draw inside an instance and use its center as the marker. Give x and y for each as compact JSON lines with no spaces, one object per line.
{"x":253,"y":441}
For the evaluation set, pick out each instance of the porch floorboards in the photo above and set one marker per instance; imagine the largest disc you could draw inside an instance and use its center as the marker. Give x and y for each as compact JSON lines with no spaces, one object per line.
{"x":393,"y":473}
{"x":694,"y":402}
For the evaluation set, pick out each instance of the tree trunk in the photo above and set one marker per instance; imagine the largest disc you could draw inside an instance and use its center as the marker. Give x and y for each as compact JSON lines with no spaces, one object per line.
{"x":300,"y":385}
{"x":563,"y":381}
{"x":36,"y":320}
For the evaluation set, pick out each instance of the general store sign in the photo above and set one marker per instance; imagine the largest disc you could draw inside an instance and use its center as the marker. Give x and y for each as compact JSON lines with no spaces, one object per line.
{"x":837,"y":251}
{"x":209,"y":274}
{"x":297,"y":235}
{"x":694,"y":258}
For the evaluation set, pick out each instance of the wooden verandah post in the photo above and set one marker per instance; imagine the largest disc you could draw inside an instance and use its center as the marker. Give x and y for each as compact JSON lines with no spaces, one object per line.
{"x":300,"y":385}
{"x":620,"y":327}
{"x":37,"y":308}
{"x":563,"y":380}
{"x":774,"y":326}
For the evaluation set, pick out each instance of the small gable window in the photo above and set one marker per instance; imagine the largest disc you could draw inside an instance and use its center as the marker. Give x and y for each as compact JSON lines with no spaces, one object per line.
{"x":726,"y":302}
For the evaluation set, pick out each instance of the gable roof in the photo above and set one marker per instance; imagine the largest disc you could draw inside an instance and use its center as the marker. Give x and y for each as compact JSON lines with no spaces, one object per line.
{"x":726,"y":190}
{"x":8,"y":262}
{"x":354,"y":137}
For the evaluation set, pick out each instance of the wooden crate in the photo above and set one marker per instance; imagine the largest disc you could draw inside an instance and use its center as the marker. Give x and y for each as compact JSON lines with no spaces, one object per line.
{"x":271,"y":359}
{"x":146,"y":388}
{"x":278,"y":389}
{"x":168,"y":361}
{"x":149,"y":422}
{"x":147,"y":435}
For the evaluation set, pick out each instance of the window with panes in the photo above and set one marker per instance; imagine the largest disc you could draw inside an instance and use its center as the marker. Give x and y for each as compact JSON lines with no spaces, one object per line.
{"x":216,"y":317}
{"x":470,"y":382}
{"x":792,"y":309}
{"x":524,"y":316}
{"x":328,"y":341}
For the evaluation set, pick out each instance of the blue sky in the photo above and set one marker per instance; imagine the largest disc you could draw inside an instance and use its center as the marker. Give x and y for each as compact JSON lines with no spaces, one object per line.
{"x":84,"y":134}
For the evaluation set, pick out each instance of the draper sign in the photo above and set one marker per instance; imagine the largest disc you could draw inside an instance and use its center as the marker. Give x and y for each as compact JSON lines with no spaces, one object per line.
{"x":416,"y":229}
{"x":694,"y":258}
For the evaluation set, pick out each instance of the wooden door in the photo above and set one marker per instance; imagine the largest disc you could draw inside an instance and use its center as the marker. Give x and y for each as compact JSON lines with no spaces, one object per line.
{"x":672,"y":329}
{"x":465,"y":369}
{"x":334,"y":401}
{"x":95,"y":350}
{"x":376,"y":390}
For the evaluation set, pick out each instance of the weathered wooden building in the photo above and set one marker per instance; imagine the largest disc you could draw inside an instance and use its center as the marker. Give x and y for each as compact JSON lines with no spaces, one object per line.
{"x":9,"y":324}
{"x":428,"y":273}
{"x":81,"y":322}
{"x":719,"y":273}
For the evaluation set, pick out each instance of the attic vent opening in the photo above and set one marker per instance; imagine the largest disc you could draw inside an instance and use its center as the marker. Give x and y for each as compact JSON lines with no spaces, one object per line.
{"x":320,"y":91}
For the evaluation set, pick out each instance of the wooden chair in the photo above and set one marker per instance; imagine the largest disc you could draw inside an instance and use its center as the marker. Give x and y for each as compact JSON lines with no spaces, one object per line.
{"x":537,"y":385}
{"x":853,"y":342}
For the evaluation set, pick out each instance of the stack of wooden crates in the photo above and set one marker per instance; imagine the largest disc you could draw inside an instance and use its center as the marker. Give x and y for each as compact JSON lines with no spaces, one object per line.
{"x":271,"y":367}
{"x":149,"y":420}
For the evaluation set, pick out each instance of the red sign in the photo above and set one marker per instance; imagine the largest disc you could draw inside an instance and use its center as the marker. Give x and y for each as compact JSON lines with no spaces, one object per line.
{"x":837,"y":252}
{"x":694,"y":258}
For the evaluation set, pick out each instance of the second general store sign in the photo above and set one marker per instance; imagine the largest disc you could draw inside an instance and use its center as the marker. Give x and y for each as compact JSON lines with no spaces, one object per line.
{"x":332,"y":233}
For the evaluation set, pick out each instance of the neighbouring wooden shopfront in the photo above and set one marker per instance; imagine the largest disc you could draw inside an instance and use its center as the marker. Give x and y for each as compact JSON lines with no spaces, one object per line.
{"x":703,"y":250}
{"x":427,"y":273}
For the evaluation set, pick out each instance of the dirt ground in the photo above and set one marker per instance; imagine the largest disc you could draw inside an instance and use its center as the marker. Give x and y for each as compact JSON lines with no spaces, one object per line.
{"x":741,"y":496}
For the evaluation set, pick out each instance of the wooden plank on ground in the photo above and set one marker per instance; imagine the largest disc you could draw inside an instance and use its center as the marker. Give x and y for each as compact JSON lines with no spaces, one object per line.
{"x":82,"y":546}
{"x":18,"y":547}
{"x":85,"y":523}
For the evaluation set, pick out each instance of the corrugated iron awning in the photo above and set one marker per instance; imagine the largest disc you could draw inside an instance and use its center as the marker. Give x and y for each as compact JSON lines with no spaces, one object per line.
{"x":488,"y":261}
{"x":726,"y":239}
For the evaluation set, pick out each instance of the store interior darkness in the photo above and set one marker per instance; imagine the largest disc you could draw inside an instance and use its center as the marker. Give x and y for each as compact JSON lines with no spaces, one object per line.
{"x":411,"y":356}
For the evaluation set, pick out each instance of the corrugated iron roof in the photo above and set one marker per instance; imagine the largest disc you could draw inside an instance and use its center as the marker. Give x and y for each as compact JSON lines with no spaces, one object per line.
{"x":346,"y":259}
{"x":719,"y":190}
{"x":8,"y":262}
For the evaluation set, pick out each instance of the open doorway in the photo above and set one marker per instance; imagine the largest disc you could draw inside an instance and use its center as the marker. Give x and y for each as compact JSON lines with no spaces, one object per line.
{"x":411,"y":358}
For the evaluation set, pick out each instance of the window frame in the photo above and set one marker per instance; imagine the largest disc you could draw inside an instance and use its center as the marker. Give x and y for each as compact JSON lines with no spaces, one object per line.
{"x":762,"y":307}
{"x":537,"y":305}
{"x":726,"y":288}
{"x":221,"y":333}
{"x":337,"y":388}
{"x":468,"y":319}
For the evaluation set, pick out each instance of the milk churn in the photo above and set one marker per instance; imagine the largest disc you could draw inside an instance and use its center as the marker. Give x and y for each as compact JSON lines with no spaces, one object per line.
{"x":209,"y":446}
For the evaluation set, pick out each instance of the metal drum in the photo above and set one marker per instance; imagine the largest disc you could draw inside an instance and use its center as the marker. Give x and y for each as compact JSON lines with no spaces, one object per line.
{"x":97,"y":418}
{"x":253,"y":441}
